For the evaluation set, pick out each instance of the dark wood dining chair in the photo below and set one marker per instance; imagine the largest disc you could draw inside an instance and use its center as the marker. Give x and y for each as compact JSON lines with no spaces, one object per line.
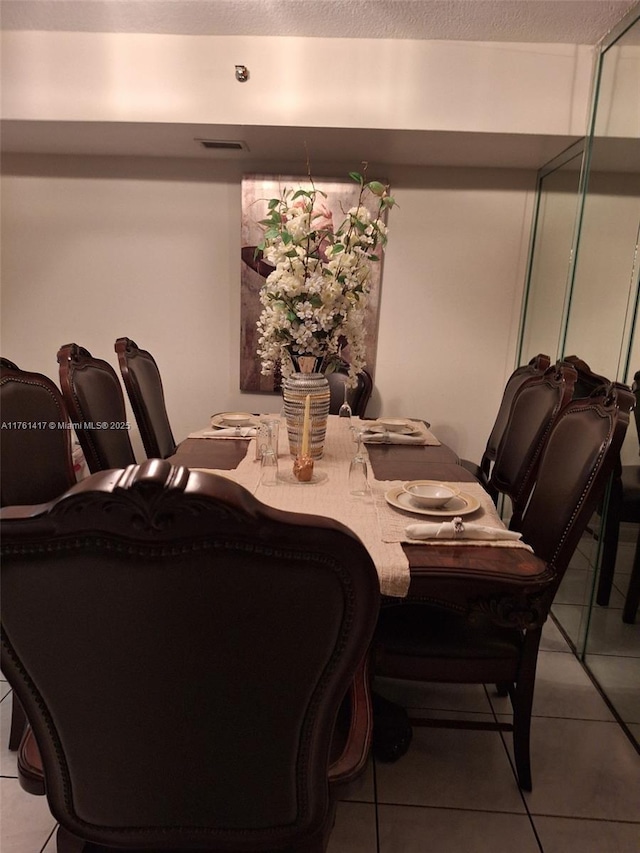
{"x":143,"y":384}
{"x":357,"y":397}
{"x":262,"y":617}
{"x":93,"y":395}
{"x":535,"y":406}
{"x":496,"y":639}
{"x":35,"y":456}
{"x":37,"y":465}
{"x":482,"y":472}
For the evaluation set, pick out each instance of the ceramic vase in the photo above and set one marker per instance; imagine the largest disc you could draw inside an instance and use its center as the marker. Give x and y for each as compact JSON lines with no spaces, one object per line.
{"x":307,"y":380}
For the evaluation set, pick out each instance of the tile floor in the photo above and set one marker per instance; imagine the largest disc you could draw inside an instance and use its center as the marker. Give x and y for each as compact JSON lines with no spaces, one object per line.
{"x":455,"y":790}
{"x":611,"y":647}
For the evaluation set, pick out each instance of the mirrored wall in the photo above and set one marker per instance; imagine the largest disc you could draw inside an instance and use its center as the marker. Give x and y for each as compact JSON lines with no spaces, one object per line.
{"x":582,"y":299}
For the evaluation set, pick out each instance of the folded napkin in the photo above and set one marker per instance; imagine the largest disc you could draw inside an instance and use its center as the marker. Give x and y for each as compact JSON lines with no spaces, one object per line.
{"x":392,"y":438}
{"x":456,"y":529}
{"x":226,"y":432}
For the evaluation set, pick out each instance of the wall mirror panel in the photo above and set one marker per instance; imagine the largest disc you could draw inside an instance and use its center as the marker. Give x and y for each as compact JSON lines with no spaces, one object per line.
{"x":553,"y":234}
{"x":583,"y":299}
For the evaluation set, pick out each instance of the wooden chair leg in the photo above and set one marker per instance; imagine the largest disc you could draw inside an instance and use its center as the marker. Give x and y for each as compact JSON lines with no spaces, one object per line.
{"x":392,"y":731}
{"x":522,"y":701}
{"x":18,"y":723}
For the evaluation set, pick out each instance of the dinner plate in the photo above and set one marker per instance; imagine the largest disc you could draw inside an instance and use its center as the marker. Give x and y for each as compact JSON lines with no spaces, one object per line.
{"x":218,"y":422}
{"x":462,"y":504}
{"x":380,"y":428}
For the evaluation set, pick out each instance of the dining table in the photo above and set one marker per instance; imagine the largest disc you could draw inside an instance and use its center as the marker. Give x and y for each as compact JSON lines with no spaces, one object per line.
{"x":503,"y":579}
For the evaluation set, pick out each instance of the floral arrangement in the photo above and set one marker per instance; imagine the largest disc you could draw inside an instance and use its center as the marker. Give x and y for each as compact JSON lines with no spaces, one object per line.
{"x":313,"y":303}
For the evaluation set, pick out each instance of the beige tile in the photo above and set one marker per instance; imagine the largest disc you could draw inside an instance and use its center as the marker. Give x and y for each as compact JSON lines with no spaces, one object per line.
{"x":50,"y":846}
{"x":4,"y":689}
{"x":26,"y":820}
{"x":576,"y":587}
{"x":583,"y":768}
{"x":418,"y":830}
{"x":7,"y":758}
{"x":552,"y":639}
{"x":451,"y":768}
{"x":609,"y":635}
{"x":362,"y":789}
{"x":565,"y":835}
{"x":354,"y":830}
{"x":563,"y":689}
{"x":574,"y":619}
{"x":619,"y":678}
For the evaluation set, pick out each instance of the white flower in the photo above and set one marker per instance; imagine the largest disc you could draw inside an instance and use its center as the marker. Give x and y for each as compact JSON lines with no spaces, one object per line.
{"x":315,"y":298}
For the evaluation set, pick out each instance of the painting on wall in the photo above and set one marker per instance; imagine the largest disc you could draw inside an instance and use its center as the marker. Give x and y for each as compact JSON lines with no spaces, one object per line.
{"x":256,"y":192}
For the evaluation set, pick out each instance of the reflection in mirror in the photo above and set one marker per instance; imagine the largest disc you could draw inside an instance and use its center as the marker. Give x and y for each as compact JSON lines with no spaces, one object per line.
{"x":554,"y":226}
{"x":602,"y":328}
{"x":599,"y":323}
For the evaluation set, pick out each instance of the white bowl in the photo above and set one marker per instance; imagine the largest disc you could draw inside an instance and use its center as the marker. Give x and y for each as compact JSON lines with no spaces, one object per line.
{"x":393,"y":424}
{"x":429,"y":494}
{"x":236,"y":419}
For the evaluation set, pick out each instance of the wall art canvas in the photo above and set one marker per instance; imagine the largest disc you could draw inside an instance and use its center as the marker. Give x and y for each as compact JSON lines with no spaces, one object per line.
{"x":256,"y":192}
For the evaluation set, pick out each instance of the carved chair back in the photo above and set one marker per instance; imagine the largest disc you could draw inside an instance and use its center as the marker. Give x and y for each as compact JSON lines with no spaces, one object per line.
{"x":261,"y":617}
{"x":36,"y":448}
{"x":535,"y":367}
{"x":144,"y":388}
{"x":94,"y":399}
{"x":536,"y":405}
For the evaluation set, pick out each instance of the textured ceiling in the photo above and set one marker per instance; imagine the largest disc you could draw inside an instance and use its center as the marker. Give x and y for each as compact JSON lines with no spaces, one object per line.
{"x":568,"y":21}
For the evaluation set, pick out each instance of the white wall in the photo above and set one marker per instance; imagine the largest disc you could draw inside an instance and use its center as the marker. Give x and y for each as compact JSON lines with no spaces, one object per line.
{"x":97,"y":248}
{"x":375,"y":83}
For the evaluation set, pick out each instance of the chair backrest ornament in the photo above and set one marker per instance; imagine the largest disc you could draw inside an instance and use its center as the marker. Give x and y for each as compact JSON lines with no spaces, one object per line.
{"x":261,"y":617}
{"x":94,"y":398}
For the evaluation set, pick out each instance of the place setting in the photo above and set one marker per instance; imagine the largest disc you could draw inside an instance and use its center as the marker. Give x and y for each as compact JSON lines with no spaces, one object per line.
{"x":230,"y":425}
{"x":397,"y":431}
{"x":460,"y":512}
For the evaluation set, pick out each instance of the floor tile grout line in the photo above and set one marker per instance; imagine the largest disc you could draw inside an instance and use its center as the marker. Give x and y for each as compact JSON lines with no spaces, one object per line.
{"x":375,"y":801}
{"x":445,"y":808}
{"x":506,"y":748}
{"x":49,"y":837}
{"x":626,"y":821}
{"x":514,"y":771}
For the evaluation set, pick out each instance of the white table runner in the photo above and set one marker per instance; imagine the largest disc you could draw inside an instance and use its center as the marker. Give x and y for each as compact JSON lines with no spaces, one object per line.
{"x":330,"y":498}
{"x":380,"y":527}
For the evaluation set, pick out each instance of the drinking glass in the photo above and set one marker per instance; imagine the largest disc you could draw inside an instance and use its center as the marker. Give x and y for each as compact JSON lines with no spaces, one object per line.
{"x":268,"y":466}
{"x":345,"y":409}
{"x":267,"y":435}
{"x":358,"y":469}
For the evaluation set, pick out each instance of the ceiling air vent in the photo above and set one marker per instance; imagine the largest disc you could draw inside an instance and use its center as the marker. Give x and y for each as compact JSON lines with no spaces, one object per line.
{"x":223,"y":144}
